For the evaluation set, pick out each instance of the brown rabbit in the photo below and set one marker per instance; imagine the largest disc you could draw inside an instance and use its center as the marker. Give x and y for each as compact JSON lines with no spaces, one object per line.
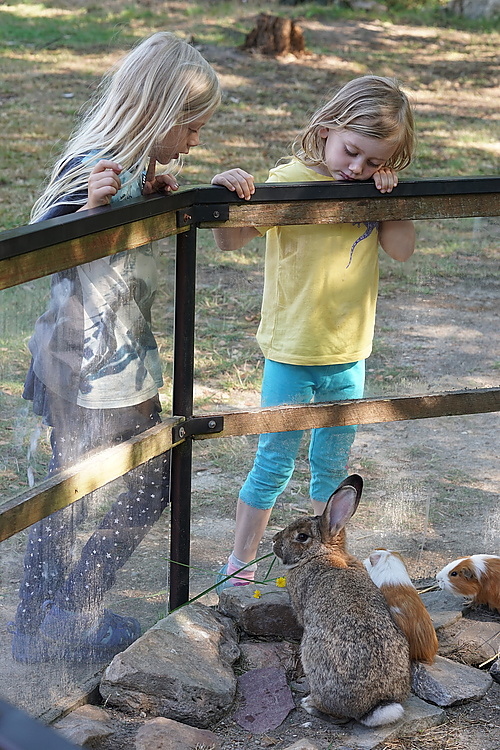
{"x":354,"y":656}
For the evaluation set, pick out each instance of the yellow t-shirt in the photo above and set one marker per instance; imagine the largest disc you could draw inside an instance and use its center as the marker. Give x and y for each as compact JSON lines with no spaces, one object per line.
{"x":317,"y":308}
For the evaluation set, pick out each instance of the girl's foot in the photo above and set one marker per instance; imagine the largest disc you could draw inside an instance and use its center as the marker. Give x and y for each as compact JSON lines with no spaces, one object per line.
{"x":75,"y":636}
{"x":241,"y":575}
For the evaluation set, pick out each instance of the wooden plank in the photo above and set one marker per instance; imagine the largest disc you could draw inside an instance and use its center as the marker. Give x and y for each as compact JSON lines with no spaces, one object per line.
{"x":48,"y":260}
{"x":361,"y":209}
{"x":98,"y":470}
{"x":129,"y":236}
{"x":361,"y":411}
{"x":94,"y":472}
{"x":203,"y":200}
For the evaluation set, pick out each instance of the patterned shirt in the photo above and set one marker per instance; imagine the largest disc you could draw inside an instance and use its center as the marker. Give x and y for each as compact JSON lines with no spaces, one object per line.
{"x":94,"y":345}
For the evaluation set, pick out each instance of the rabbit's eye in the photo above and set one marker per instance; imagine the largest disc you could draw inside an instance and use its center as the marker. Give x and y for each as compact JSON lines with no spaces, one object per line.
{"x":453,"y":573}
{"x":302,"y":537}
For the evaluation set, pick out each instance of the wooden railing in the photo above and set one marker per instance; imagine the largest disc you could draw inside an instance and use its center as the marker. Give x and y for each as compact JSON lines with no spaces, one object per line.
{"x":38,"y":250}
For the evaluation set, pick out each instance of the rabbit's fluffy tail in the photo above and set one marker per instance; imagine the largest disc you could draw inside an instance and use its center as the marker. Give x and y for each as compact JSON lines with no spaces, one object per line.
{"x":384,"y":713}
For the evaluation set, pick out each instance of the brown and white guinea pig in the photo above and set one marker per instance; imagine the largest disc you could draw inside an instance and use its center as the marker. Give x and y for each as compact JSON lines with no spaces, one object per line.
{"x":476,"y":577}
{"x":387,"y":570}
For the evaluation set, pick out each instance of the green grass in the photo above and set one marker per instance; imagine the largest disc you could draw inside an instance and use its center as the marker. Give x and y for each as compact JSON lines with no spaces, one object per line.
{"x":52,"y":56}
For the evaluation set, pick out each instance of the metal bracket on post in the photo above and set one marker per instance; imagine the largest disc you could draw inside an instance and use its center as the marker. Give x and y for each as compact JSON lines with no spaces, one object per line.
{"x":194,"y":426}
{"x":202,"y":213}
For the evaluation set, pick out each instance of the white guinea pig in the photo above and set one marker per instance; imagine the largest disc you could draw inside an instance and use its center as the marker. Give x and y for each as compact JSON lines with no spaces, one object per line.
{"x":387,"y":570}
{"x":476,"y":577}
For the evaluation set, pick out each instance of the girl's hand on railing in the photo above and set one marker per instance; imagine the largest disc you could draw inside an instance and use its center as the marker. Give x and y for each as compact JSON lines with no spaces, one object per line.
{"x":161,"y":183}
{"x":104,"y":182}
{"x":237,"y":180}
{"x":385,"y":179}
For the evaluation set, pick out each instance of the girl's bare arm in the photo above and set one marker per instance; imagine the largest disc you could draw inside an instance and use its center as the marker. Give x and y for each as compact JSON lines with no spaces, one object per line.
{"x":397,"y":238}
{"x":242,"y":183}
{"x":233,"y":238}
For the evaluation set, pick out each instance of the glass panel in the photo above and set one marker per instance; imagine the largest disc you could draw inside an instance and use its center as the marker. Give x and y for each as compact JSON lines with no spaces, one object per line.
{"x":430,"y":492}
{"x":431,"y":485}
{"x":25,"y":451}
{"x":437,"y":314}
{"x":94,"y":573}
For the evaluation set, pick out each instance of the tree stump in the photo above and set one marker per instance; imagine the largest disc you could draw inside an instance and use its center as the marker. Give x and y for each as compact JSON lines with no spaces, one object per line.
{"x":474,"y":8}
{"x":274,"y":35}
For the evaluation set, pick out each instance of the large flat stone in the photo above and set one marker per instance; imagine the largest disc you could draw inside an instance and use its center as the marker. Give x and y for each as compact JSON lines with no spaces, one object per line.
{"x":417,"y":717}
{"x":165,"y":734}
{"x":475,"y":641}
{"x":265,"y":699}
{"x":447,"y":683}
{"x":86,"y":726}
{"x":444,"y":608}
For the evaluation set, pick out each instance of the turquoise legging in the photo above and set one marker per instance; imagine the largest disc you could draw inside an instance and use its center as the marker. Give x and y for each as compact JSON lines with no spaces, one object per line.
{"x":329,"y":446}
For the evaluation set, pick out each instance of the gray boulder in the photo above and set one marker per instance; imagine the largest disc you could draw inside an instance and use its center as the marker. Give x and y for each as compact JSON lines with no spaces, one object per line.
{"x":180,"y":669}
{"x":448,"y":683}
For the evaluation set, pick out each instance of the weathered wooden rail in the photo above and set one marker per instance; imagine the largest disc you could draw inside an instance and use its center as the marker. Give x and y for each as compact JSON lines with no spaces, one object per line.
{"x":38,"y":250}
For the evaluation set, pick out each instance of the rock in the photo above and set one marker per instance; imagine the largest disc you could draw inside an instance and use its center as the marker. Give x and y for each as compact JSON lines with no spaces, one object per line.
{"x":269,"y":615}
{"x":495,"y":670}
{"x":474,"y":641}
{"x":260,"y":654}
{"x":444,"y":608}
{"x":265,"y":699}
{"x":85,"y":725}
{"x":180,"y":669}
{"x":165,"y":734}
{"x":303,"y":745}
{"x":447,"y":683}
{"x":300,"y":686}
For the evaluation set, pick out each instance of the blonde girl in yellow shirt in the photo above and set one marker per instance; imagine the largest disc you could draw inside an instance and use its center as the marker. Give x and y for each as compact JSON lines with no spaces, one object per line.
{"x":320,"y":292}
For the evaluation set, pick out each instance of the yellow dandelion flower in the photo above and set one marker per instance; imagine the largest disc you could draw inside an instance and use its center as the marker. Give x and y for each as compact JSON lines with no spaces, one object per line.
{"x":281,"y":582}
{"x":256,"y":594}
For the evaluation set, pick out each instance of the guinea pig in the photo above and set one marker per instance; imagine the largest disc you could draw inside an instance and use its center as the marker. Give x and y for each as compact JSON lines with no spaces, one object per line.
{"x":387,"y":570}
{"x":476,"y":577}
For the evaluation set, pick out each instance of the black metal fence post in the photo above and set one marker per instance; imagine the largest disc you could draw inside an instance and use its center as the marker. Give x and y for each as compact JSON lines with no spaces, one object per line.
{"x":183,"y":374}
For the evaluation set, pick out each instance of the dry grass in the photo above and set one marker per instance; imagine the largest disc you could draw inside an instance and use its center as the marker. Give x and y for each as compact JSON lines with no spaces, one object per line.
{"x":54,"y":55}
{"x":444,"y":737}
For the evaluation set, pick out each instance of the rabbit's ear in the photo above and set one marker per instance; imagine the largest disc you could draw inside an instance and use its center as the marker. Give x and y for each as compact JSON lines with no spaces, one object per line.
{"x":342,"y":504}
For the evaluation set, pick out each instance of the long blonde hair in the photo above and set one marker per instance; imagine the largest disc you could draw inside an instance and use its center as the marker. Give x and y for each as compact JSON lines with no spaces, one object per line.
{"x":162,"y":82}
{"x":373,"y":106}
